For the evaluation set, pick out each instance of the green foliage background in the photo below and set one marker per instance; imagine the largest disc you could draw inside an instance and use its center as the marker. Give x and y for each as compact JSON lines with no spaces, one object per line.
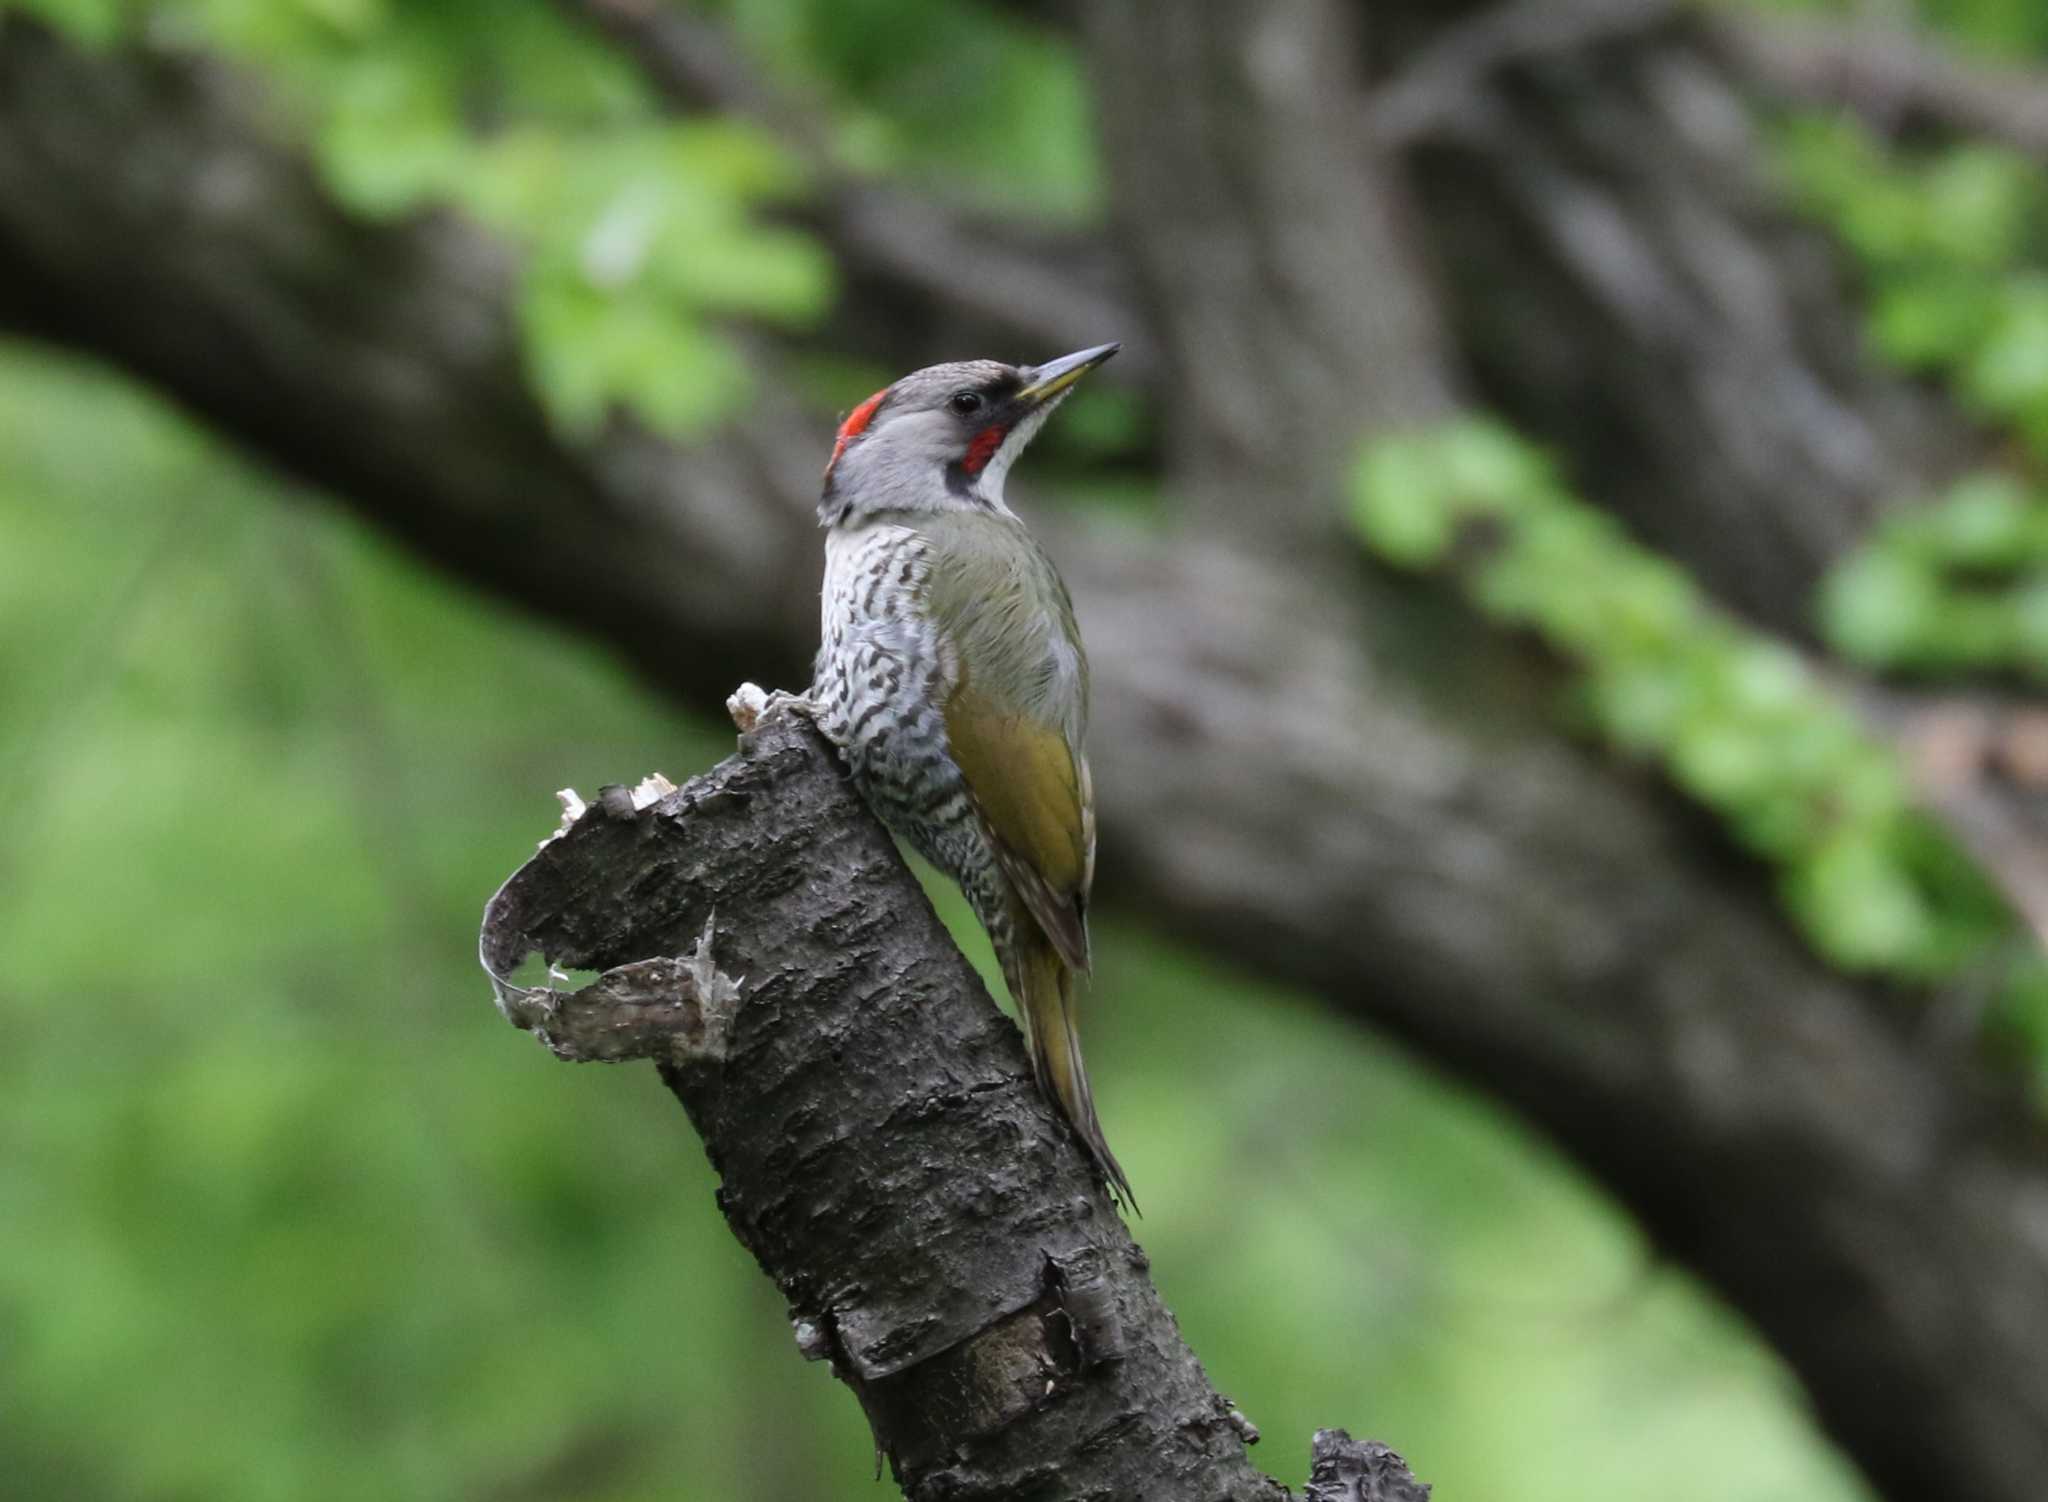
{"x":286,"y":1211}
{"x":292,"y":1213}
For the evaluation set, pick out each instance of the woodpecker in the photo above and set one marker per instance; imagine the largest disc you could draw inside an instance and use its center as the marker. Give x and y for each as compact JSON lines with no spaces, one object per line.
{"x":950,"y":676}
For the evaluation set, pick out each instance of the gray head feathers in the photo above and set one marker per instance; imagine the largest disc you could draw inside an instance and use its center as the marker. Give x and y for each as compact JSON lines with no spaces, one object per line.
{"x":943,"y":438}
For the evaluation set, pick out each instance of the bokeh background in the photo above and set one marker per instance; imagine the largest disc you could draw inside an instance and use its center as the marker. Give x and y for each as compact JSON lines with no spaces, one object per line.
{"x":286,"y":1211}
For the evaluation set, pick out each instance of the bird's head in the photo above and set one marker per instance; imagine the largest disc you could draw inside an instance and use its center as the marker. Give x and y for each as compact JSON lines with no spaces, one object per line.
{"x":944,"y":438}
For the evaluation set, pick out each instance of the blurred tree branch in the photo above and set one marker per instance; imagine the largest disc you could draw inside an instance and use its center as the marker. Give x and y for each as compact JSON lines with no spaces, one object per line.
{"x":1445,"y":86}
{"x":1612,"y":264}
{"x":1895,"y":80}
{"x":883,"y":1151}
{"x":1274,"y":250}
{"x":1625,"y":281}
{"x":1340,"y":782}
{"x":904,"y":256}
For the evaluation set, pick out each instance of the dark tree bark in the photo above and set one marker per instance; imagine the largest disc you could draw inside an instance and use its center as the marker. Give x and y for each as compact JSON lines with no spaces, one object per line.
{"x":1627,"y":284}
{"x":1896,"y":81}
{"x":883,"y":1150}
{"x":1679,"y":360}
{"x":1613,"y":259}
{"x":1337,"y":781}
{"x":1238,"y":173}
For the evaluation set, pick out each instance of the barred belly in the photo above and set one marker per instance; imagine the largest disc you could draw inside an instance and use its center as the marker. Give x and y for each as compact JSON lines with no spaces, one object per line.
{"x":882,"y":679}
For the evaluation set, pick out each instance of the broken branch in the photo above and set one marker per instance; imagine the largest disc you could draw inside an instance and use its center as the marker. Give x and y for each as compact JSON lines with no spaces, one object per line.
{"x":940,"y":1236}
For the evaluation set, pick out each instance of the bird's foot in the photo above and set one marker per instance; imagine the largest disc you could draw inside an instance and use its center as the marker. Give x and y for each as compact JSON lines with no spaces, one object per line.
{"x":750,"y":705}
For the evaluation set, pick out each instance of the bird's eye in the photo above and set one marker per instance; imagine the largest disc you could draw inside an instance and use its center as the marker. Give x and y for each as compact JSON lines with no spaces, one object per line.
{"x":965,"y":403}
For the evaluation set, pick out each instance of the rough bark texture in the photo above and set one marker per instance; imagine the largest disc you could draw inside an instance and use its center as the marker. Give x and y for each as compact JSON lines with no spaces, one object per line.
{"x":1345,"y":1471}
{"x":1341,"y":783}
{"x":884,"y":1153}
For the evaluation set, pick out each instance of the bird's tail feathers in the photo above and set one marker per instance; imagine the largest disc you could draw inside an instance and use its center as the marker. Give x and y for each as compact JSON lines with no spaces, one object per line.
{"x":1047,"y":1001}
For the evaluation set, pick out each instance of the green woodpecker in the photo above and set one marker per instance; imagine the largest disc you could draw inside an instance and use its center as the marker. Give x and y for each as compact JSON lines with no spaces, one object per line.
{"x":951,"y":678}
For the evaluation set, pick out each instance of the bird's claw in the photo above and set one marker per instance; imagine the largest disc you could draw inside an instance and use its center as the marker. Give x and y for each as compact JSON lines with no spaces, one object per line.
{"x":750,"y":705}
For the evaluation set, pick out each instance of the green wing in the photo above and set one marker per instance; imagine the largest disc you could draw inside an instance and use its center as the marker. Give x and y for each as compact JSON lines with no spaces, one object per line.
{"x":1016,"y":713}
{"x":1028,"y":789}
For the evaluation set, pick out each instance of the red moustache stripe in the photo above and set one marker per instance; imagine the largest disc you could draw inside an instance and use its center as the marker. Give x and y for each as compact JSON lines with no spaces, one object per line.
{"x":983,"y":449}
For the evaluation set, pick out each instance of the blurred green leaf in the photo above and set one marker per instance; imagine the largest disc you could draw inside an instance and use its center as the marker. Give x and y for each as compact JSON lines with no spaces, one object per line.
{"x":1865,"y":907}
{"x":640,"y":234}
{"x":1399,"y":503}
{"x":1878,"y":605}
{"x":1933,"y":322}
{"x":93,"y":22}
{"x":1959,"y":584}
{"x":1950,"y":241}
{"x":982,"y":107}
{"x":1738,"y":721}
{"x":2007,"y":374}
{"x":270,"y":1152}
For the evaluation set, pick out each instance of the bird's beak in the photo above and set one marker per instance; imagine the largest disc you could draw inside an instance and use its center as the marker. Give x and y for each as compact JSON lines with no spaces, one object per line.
{"x":1055,"y":376}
